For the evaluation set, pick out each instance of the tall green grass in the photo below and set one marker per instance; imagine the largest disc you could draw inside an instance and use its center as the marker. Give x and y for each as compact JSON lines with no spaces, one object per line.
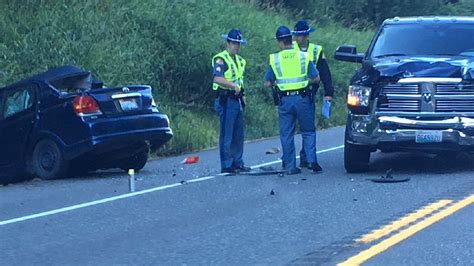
{"x":168,"y":44}
{"x":369,"y":13}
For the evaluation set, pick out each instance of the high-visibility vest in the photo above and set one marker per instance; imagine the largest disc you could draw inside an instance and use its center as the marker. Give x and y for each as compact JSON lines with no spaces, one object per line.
{"x":291,"y":69}
{"x":235,"y":69}
{"x":314,"y":51}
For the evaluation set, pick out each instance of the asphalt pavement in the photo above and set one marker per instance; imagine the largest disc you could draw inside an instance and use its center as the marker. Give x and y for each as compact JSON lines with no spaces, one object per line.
{"x":189,"y":214}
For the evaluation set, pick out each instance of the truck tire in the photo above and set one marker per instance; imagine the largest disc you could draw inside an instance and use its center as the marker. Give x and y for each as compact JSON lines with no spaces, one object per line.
{"x":47,"y":161}
{"x":356,"y":158}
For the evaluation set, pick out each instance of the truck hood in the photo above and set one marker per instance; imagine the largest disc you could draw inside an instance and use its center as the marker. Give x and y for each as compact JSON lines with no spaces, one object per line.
{"x":445,"y":67}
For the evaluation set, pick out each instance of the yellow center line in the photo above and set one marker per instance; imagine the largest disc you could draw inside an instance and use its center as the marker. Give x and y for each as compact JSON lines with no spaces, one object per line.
{"x":379,"y":233}
{"x":397,"y":238}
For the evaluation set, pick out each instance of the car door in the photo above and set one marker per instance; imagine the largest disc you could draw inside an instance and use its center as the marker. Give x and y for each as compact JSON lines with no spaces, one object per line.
{"x":17,"y":119}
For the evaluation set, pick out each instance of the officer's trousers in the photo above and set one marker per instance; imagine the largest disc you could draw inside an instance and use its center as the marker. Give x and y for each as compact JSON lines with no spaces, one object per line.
{"x":303,"y":157}
{"x":231,"y":136}
{"x":292,"y":109}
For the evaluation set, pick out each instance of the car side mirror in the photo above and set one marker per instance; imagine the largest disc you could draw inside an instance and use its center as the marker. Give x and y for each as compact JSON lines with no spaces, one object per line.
{"x":348,"y":53}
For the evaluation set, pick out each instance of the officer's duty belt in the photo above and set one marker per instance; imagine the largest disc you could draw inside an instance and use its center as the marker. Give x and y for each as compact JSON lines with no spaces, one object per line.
{"x":228,"y":93}
{"x":302,"y":92}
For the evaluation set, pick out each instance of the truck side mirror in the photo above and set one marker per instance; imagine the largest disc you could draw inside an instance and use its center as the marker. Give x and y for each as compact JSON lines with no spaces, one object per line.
{"x":348,"y":53}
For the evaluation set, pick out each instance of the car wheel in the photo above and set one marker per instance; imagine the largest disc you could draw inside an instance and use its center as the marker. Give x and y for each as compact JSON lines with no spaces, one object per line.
{"x":136,"y":162}
{"x":48,"y":161}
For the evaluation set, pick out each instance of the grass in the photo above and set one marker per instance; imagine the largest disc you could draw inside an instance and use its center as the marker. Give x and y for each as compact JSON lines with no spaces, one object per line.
{"x":167,"y":44}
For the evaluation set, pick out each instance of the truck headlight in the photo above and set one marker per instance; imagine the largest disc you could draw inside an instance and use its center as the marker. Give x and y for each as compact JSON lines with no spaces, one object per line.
{"x":358,"y":96}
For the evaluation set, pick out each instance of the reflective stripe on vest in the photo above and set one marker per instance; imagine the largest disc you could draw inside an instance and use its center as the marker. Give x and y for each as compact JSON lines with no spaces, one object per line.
{"x":314,"y":51}
{"x":290,"y":68}
{"x":235,"y":69}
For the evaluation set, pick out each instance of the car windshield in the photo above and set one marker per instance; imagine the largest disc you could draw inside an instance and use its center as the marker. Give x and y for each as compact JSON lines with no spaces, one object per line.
{"x":425,"y":40}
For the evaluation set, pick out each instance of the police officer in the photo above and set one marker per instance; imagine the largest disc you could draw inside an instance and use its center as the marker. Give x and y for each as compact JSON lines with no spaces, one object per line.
{"x":291,"y":71}
{"x":228,"y":83}
{"x":301,"y":41}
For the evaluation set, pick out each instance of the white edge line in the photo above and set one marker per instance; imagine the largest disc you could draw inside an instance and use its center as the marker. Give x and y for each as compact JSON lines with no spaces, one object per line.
{"x":133,"y":194}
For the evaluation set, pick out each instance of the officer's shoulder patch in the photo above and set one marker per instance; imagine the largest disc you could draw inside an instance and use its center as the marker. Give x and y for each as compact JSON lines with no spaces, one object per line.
{"x":219,"y":61}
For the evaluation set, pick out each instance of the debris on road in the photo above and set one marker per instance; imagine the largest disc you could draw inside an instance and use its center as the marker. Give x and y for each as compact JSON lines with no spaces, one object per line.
{"x":259,"y":173}
{"x":267,"y":168}
{"x":272,"y":192}
{"x":190,"y":159}
{"x":273,"y":150}
{"x":183,"y":182}
{"x":388,"y":178}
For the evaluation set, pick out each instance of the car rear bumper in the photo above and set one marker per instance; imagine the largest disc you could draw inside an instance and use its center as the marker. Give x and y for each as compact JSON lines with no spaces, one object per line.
{"x":106,"y":134}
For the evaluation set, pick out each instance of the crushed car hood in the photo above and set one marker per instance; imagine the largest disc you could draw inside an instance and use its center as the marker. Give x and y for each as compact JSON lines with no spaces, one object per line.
{"x":426,"y":67}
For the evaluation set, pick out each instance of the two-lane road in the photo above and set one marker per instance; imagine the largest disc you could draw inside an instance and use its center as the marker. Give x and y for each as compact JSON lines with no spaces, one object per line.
{"x":326,"y":218}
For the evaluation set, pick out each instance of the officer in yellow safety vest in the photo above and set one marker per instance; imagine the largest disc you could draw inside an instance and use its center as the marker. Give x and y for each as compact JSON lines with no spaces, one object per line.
{"x":228,"y":83}
{"x":315,"y":52}
{"x":291,"y":72}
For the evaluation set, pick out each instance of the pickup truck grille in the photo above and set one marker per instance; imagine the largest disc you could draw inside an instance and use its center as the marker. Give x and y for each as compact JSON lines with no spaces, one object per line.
{"x":427,"y":97}
{"x":400,"y":98}
{"x":450,"y":89}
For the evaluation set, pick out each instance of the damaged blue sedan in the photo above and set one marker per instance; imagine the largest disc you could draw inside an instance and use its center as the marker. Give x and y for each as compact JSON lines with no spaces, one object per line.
{"x":62,"y":122}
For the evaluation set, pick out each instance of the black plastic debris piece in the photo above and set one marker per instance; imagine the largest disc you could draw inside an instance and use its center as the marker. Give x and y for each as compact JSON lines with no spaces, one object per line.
{"x":264,"y":170}
{"x":267,"y":168}
{"x":304,"y":179}
{"x":388,"y":178}
{"x":273,"y":150}
{"x":272,"y":192}
{"x":259,"y":173}
{"x":183,"y":182}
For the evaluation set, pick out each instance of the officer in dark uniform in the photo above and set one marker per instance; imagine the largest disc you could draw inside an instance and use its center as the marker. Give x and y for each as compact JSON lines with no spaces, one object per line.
{"x":228,"y":83}
{"x":291,"y":71}
{"x":301,"y":41}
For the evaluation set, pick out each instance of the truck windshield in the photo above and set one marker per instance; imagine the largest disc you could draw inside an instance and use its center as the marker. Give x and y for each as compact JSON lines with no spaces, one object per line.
{"x":425,"y":40}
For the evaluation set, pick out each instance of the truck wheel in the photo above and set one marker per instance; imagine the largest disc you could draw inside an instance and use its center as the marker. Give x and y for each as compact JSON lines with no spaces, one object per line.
{"x":356,"y":158}
{"x":47,"y":161}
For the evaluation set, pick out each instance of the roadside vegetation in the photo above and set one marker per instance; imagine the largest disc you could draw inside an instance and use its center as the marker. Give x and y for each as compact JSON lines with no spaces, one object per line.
{"x":169,"y":45}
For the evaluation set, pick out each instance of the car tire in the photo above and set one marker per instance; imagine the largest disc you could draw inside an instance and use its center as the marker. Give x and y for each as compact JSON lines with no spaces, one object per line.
{"x":136,"y":162}
{"x":47,"y":161}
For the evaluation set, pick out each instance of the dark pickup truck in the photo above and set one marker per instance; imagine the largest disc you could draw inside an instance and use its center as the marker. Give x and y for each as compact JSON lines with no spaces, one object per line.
{"x":414,"y":91}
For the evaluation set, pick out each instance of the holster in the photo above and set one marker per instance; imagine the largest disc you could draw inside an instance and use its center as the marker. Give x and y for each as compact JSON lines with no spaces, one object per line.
{"x":276,"y":96}
{"x":313,"y":89}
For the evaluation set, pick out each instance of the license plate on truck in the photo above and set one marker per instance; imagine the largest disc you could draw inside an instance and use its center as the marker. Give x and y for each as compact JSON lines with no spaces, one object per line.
{"x":428,"y":136}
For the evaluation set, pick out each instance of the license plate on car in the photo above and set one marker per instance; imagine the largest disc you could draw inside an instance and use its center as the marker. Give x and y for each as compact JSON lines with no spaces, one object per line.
{"x":128,"y":104}
{"x":428,"y":136}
